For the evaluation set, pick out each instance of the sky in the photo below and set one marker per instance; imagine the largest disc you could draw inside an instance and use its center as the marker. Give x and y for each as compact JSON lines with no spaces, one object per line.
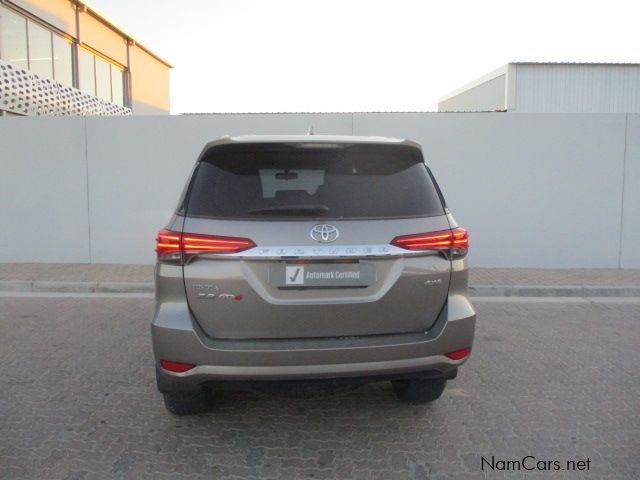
{"x":361,"y":55}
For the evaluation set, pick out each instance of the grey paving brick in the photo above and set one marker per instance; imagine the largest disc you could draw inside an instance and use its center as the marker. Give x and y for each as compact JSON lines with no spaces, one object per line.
{"x":553,"y":380}
{"x":551,"y":276}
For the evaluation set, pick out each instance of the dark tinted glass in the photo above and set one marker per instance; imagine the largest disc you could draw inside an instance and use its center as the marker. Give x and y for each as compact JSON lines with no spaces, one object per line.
{"x":339,"y":182}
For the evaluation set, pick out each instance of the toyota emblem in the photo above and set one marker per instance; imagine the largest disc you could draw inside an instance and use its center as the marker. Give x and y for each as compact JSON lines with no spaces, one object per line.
{"x":324,"y":233}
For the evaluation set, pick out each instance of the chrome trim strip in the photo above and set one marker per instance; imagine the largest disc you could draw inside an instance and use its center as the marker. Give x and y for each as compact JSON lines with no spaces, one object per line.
{"x":319,"y":252}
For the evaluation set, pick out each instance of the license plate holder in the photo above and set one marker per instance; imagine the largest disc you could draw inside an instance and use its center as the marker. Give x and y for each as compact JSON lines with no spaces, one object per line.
{"x":322,"y":275}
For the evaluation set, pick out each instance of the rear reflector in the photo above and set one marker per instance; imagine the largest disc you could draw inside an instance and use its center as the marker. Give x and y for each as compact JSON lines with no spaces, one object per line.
{"x":176,"y":366}
{"x":170,"y":245}
{"x":457,"y":238}
{"x":459,"y":354}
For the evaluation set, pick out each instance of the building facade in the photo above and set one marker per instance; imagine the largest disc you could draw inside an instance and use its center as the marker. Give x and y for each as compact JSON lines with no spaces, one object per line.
{"x":531,"y":87}
{"x":63,"y":57}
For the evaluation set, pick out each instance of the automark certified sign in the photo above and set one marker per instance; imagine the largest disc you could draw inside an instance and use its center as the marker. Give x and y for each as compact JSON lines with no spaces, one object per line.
{"x":324,"y":233}
{"x":362,"y":274}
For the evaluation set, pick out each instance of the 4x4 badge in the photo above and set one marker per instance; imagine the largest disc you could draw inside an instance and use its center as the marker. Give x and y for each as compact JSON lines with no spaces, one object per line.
{"x":324,"y":233}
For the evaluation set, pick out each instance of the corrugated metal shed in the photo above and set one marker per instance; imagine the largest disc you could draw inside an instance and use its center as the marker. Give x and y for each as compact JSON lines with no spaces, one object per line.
{"x":551,"y":87}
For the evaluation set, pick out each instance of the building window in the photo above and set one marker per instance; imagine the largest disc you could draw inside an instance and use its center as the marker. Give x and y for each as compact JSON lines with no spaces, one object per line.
{"x":100,"y":78}
{"x":40,"y":50}
{"x":103,"y":79}
{"x":117,"y":85}
{"x":30,"y":46}
{"x":62,"y":61}
{"x":86,"y":71}
{"x":13,"y":38}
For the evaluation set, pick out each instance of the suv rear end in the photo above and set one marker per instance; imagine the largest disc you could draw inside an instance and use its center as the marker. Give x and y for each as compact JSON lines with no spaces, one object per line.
{"x":310,"y":258}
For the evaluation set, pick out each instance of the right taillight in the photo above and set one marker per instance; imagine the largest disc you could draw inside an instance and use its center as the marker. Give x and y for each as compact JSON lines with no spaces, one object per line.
{"x":171,"y":246}
{"x":455,"y":241}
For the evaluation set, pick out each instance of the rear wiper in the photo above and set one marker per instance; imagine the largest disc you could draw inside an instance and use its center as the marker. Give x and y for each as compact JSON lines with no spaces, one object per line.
{"x":291,"y":210}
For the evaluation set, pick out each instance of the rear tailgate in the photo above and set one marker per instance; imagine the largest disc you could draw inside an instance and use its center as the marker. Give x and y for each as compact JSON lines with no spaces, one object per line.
{"x":321,"y":218}
{"x":300,"y":289}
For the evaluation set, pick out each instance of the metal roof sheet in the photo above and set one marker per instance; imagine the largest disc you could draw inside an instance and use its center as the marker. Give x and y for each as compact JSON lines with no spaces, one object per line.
{"x":574,"y":63}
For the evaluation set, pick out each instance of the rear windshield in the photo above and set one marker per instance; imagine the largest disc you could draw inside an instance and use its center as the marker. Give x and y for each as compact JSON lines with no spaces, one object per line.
{"x":312,"y":181}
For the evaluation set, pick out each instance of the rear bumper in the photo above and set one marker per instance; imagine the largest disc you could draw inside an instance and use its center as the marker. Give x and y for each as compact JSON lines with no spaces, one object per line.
{"x":177,"y":337}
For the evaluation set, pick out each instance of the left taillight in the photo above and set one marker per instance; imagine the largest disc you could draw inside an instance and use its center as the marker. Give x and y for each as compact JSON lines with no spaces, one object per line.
{"x":172,"y":246}
{"x":455,"y":240}
{"x":192,"y":242}
{"x":169,"y":246}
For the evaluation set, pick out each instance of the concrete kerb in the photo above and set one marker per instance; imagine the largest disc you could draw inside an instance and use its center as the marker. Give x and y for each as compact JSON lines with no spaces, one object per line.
{"x":553,"y":291}
{"x":475,"y":290}
{"x":71,"y":286}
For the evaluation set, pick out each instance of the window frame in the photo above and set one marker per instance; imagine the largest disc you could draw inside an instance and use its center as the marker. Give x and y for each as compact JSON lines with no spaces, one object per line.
{"x":75,"y":46}
{"x":52,"y":31}
{"x":112,"y":64}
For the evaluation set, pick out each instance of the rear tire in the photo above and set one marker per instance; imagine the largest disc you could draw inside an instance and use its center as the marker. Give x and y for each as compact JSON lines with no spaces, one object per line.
{"x":419,"y":390}
{"x":187,"y":403}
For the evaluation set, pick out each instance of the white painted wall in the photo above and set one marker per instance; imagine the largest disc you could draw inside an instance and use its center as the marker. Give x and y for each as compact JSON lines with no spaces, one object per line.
{"x":139,"y":166}
{"x":43,"y":190}
{"x":536,"y":190}
{"x":630,"y":218}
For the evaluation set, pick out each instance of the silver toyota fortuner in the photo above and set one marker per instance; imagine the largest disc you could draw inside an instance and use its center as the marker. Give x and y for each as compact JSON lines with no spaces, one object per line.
{"x":310,"y":259}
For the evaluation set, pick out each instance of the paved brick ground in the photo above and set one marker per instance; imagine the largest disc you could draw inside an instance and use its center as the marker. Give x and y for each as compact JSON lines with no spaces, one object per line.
{"x":551,"y":276}
{"x":76,"y":272}
{"x":479,"y":276}
{"x":557,"y":381}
